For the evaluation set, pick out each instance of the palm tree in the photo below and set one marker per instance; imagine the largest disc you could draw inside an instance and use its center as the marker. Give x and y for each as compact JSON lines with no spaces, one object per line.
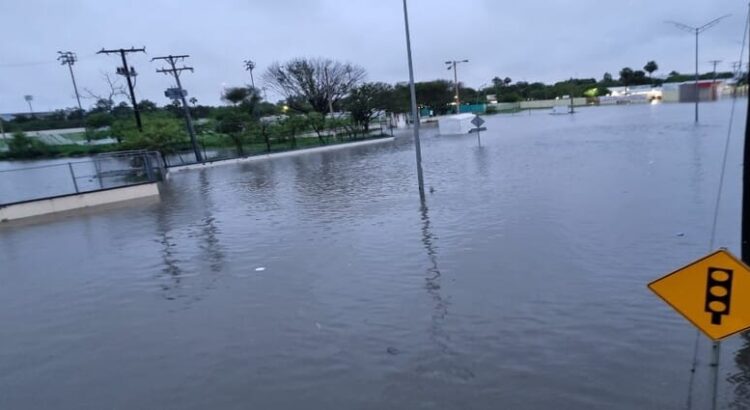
{"x":650,"y":67}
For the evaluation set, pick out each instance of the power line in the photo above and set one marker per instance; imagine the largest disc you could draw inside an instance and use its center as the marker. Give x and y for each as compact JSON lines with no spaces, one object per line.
{"x":128,"y":72}
{"x":175,"y":72}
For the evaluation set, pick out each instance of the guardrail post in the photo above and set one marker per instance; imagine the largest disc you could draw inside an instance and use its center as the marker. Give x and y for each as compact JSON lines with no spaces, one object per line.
{"x":149,"y":168}
{"x":73,"y":176}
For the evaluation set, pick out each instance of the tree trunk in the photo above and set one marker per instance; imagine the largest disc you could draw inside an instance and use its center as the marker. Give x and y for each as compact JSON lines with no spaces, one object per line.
{"x":268,"y":141}
{"x":240,"y":151}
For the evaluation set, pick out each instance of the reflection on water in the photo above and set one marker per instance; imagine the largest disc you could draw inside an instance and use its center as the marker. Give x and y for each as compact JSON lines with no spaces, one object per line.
{"x":741,"y":379}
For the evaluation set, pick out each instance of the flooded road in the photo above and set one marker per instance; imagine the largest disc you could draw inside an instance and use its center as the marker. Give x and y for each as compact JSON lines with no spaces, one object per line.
{"x":320,"y":281}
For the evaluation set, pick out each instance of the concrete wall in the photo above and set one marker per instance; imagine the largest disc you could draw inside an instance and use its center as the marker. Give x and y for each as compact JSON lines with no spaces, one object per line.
{"x":551,"y":103}
{"x":77,"y":201}
{"x":290,"y":153}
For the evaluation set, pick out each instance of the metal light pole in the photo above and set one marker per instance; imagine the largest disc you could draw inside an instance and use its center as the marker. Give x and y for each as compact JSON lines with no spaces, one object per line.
{"x":697,"y":31}
{"x":28,"y":99}
{"x":69,"y":58}
{"x":250,"y":66}
{"x":713,"y":84}
{"x":414,"y":114}
{"x":452,"y":66}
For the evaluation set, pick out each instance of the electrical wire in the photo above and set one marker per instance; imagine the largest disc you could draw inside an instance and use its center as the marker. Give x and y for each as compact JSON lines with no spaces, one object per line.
{"x":714,"y":225}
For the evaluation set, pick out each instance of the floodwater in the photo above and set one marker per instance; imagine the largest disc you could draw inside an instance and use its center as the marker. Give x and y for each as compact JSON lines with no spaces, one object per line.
{"x":320,"y":281}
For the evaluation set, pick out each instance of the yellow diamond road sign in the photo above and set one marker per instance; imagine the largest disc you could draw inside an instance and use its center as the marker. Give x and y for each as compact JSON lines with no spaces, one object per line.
{"x":713,"y":293}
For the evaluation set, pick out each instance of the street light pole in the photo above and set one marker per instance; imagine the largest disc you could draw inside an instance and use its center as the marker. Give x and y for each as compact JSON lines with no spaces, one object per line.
{"x":452,"y":65}
{"x":697,"y":31}
{"x":28,"y":99}
{"x":414,"y":115}
{"x":69,"y":58}
{"x":250,"y":66}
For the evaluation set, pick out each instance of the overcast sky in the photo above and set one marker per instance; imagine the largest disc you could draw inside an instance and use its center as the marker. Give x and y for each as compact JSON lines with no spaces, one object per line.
{"x":531,"y":40}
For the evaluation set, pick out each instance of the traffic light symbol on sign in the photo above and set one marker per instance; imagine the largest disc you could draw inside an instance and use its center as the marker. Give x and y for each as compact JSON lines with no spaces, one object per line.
{"x":718,"y":293}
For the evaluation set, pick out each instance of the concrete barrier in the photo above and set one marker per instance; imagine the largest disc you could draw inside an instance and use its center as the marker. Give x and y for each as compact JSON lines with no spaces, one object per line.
{"x":290,"y":153}
{"x":65,"y":203}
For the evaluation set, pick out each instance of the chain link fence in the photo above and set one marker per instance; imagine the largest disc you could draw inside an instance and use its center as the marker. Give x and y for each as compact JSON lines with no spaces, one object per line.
{"x":106,"y":171}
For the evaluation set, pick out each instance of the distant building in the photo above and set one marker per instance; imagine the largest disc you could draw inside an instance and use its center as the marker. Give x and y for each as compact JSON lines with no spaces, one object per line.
{"x":707,"y":90}
{"x":12,"y":116}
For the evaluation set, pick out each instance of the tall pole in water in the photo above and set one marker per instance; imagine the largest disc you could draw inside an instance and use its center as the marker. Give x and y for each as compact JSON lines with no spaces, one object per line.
{"x":175,"y":72}
{"x":697,"y":77}
{"x":697,"y":31}
{"x":414,"y":114}
{"x":453,"y":65}
{"x":746,"y":175}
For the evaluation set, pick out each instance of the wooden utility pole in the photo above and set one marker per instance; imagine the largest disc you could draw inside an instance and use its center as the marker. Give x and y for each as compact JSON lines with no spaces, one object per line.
{"x":129,"y":73}
{"x":175,"y":71}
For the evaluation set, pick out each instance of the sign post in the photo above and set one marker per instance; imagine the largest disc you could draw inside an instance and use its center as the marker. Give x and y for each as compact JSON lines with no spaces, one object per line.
{"x":478,"y":121}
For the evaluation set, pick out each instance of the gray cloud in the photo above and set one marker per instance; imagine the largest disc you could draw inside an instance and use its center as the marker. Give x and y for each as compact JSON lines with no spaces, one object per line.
{"x":533,"y":40}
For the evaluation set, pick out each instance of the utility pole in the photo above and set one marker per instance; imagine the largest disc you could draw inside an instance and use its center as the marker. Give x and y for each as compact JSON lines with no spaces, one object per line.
{"x":746,"y":178}
{"x":697,"y":31}
{"x":414,"y":114}
{"x":250,"y":66}
{"x":69,"y":58}
{"x":128,"y":72}
{"x":175,"y":71}
{"x":452,"y":66}
{"x":713,"y":84}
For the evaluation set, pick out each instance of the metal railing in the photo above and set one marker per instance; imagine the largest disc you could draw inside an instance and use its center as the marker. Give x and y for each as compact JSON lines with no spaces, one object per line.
{"x":59,"y":178}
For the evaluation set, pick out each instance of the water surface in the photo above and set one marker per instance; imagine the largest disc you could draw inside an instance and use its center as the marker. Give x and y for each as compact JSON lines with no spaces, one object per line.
{"x":320,"y":281}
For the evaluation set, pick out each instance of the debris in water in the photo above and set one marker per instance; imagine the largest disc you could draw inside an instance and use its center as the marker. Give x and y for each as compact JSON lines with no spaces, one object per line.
{"x":392,"y":350}
{"x":260,"y":269}
{"x":680,"y":234}
{"x":318,"y":325}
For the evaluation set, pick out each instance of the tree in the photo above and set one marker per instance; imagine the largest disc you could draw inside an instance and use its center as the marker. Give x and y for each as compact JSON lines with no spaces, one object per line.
{"x":247,"y":98}
{"x":160,"y":133}
{"x":99,"y":120}
{"x":437,"y":94}
{"x":122,"y":110}
{"x":113,"y":90}
{"x":235,"y":95}
{"x":193,"y":101}
{"x":607,"y":79}
{"x":22,"y":146}
{"x":234,"y":123}
{"x":365,"y":101}
{"x":626,"y":76}
{"x":507,"y":81}
{"x":292,"y":125}
{"x":313,"y":84}
{"x":650,"y":67}
{"x":639,"y":77}
{"x":147,"y":106}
